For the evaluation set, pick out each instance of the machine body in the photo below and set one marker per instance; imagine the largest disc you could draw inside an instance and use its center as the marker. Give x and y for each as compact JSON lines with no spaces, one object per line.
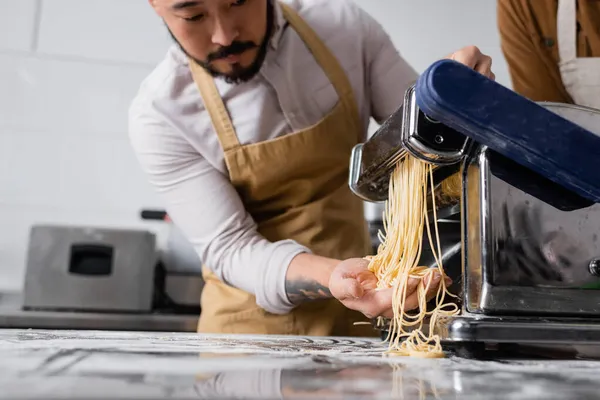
{"x":523,"y":242}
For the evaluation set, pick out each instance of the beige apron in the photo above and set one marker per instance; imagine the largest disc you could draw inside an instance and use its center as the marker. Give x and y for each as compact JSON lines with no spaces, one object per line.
{"x":295,"y":187}
{"x":580,"y":76}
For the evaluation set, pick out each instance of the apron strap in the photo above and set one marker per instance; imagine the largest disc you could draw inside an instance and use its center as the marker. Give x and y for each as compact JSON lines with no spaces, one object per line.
{"x":325,"y":58}
{"x":215,"y":107}
{"x":567,"y":30}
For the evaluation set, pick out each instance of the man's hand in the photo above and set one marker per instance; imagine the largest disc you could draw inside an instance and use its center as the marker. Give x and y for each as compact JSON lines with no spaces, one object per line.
{"x":355,"y":286}
{"x":472,"y":57}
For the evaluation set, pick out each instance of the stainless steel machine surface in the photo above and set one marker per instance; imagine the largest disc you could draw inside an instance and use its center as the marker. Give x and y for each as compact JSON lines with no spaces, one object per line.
{"x":524,"y":252}
{"x":116,"y":365}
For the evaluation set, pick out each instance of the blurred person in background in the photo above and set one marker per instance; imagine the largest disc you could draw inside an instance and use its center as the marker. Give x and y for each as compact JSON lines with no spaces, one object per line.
{"x":552,"y":48}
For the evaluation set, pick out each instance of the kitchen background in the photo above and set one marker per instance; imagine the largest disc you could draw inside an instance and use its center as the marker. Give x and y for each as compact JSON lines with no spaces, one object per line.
{"x":68,"y":70}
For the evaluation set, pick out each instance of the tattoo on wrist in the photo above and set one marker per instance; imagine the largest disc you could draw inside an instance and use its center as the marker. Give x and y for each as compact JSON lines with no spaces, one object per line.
{"x":304,"y":290}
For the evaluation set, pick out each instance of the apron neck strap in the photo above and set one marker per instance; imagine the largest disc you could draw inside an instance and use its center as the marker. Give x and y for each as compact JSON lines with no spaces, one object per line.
{"x":567,"y":30}
{"x":215,"y":107}
{"x":325,"y":58}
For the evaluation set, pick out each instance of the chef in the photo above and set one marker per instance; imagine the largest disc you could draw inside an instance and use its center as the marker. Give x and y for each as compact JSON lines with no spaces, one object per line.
{"x":552,"y":48}
{"x":245,"y":129}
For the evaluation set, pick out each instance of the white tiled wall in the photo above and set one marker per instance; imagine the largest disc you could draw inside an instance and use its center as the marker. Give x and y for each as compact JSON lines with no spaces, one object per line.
{"x":113,"y":30}
{"x":17,"y":24}
{"x":68,"y":69}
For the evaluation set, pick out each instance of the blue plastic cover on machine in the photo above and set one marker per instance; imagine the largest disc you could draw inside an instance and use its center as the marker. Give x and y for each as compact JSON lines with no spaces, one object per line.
{"x":512,"y":125}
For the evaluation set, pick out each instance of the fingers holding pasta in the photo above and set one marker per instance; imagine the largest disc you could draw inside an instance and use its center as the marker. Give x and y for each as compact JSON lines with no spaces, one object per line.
{"x":415,"y":294}
{"x":356,"y":287}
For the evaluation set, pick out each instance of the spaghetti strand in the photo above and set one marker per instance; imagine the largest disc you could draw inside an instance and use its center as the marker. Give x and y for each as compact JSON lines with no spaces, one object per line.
{"x":396,"y":262}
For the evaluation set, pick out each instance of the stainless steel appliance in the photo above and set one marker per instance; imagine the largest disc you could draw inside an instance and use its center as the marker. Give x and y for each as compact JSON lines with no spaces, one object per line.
{"x":522,"y":243}
{"x":91,"y":269}
{"x":89,"y":277}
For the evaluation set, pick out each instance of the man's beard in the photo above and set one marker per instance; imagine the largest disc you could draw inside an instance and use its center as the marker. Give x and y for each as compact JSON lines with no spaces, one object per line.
{"x":239,"y":73}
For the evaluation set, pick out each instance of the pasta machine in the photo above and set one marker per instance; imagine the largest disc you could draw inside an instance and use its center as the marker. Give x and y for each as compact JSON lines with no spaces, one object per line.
{"x":522,"y":239}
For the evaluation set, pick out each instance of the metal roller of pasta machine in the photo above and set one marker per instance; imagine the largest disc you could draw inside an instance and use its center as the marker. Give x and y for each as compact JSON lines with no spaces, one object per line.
{"x":522,"y":240}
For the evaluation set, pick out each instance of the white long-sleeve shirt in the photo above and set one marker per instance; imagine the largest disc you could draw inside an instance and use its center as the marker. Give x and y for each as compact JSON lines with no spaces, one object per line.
{"x":176,"y":145}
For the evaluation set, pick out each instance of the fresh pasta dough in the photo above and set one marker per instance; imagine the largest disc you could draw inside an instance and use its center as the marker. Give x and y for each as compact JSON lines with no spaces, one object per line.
{"x":450,"y":190}
{"x":405,"y":220}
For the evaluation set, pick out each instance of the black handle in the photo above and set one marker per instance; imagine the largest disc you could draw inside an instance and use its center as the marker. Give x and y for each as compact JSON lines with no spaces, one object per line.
{"x":156,"y":215}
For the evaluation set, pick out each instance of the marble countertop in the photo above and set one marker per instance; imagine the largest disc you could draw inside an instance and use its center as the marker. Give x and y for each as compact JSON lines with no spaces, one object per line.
{"x":36,"y":364}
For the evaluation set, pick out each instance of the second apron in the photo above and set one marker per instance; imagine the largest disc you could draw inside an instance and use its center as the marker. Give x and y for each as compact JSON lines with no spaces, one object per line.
{"x":580,"y":76}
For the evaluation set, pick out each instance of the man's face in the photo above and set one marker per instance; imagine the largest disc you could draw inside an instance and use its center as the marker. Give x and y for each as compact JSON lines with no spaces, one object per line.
{"x":227,"y":37}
